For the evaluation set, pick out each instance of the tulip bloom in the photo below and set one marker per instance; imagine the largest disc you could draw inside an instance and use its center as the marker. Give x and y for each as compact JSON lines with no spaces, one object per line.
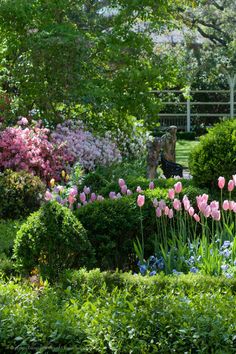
{"x":170,"y":214}
{"x":82,"y":197}
{"x":196,"y":217}
{"x":221,"y":182}
{"x":123,"y":189}
{"x":177,"y":204}
{"x":121,"y":182}
{"x":178,"y":187}
{"x":171,"y":193}
{"x":140,"y":200}
{"x":151,"y":185}
{"x":225,"y":205}
{"x":230,"y":185}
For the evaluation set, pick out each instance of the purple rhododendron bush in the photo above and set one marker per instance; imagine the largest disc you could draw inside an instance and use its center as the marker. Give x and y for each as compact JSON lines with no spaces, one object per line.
{"x":87,"y":149}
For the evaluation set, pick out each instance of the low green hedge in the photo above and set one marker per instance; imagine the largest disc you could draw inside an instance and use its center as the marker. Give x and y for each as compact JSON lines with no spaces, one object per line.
{"x":119,"y":313}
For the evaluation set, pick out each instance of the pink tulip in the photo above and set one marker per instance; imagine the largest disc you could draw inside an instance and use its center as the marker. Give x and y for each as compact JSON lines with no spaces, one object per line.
{"x":215,"y":214}
{"x":214,"y":205}
{"x":73,"y":191}
{"x":82,"y":197}
{"x":71,"y":199}
{"x":85,"y":202}
{"x":139,"y":189}
{"x":140,"y":200}
{"x":48,"y":196}
{"x":166,"y":210}
{"x":186,"y":203}
{"x":231,"y":205}
{"x":202,"y":206}
{"x":207,"y":211}
{"x":162,"y":204}
{"x":171,"y":193}
{"x":100,"y":198}
{"x":155,"y":203}
{"x":93,"y":197}
{"x":196,"y":217}
{"x":225,"y":205}
{"x":178,"y":187}
{"x":86,"y":190}
{"x":158,"y":212}
{"x":221,"y":182}
{"x":151,"y":185}
{"x":230,"y":185}
{"x":177,"y":204}
{"x":112,"y":195}
{"x":129,"y":192}
{"x":171,"y":213}
{"x":234,"y":208}
{"x":124,"y":189}
{"x":121,"y":182}
{"x":191,"y":211}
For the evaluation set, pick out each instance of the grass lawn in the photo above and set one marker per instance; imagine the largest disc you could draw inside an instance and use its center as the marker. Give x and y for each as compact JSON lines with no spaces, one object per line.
{"x":183,"y":148}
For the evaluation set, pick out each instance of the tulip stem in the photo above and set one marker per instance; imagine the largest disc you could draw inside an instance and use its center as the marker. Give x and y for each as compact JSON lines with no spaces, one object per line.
{"x":141,"y":222}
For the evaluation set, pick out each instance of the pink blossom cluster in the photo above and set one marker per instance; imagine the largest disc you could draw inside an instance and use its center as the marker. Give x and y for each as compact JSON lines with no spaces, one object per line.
{"x":30,"y":149}
{"x":89,"y":150}
{"x":71,"y":197}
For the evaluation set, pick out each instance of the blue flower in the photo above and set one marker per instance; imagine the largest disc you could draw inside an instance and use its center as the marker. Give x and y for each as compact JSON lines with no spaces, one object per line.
{"x":228,"y":275}
{"x":143,"y":269}
{"x":226,"y":244}
{"x":224,"y":267}
{"x":194,"y":270}
{"x":153,"y":273}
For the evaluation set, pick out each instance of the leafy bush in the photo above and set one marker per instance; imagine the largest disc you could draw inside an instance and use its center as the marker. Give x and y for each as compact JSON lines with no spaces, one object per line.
{"x":8,"y":230}
{"x":30,"y":149}
{"x":52,"y":239}
{"x":21,"y":193}
{"x":215,"y":155}
{"x":119,"y":313}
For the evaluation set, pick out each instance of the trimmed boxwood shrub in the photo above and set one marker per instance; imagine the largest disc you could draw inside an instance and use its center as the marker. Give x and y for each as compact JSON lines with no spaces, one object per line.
{"x":52,"y":239}
{"x":215,"y":155}
{"x":21,"y":193}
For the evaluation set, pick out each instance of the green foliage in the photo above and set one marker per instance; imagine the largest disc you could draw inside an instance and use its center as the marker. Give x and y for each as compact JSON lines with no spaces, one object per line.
{"x":52,"y":239}
{"x":111,"y":312}
{"x":21,"y":193}
{"x":215,"y":155}
{"x":8,"y":230}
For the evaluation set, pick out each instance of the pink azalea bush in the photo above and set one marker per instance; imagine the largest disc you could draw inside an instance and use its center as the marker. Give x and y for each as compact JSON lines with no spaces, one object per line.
{"x":31,"y":150}
{"x":89,"y":150}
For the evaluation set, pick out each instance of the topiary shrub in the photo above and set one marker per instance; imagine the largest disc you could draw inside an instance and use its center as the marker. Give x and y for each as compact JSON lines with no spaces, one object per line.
{"x":52,"y":239}
{"x":21,"y":193}
{"x":215,"y":155}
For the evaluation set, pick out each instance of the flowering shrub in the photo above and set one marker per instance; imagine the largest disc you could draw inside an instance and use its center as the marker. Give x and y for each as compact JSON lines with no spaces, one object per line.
{"x":30,"y":149}
{"x":88,"y":150}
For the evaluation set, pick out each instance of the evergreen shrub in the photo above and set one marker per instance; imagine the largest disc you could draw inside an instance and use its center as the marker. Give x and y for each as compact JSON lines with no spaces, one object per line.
{"x":215,"y":155}
{"x":21,"y":193}
{"x":52,"y":239}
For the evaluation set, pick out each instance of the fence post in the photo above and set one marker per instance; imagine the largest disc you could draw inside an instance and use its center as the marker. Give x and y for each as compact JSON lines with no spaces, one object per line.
{"x":188,"y":114}
{"x":232,"y":81}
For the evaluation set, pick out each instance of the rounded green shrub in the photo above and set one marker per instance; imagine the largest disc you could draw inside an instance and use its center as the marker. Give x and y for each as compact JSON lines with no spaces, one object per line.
{"x":215,"y":155}
{"x":52,"y":239}
{"x":21,"y":193}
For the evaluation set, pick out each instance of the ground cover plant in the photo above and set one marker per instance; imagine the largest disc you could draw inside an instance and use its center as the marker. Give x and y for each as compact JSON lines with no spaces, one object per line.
{"x":98,"y":312}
